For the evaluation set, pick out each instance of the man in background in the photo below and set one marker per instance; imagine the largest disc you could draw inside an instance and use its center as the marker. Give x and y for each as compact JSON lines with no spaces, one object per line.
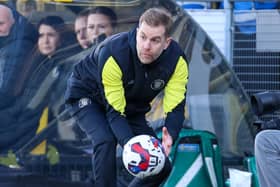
{"x":17,"y":39}
{"x":6,"y":20}
{"x":80,"y":27}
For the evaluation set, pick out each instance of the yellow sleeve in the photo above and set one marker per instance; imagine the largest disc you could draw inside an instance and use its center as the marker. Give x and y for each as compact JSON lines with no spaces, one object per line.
{"x":175,"y":89}
{"x":113,"y":85}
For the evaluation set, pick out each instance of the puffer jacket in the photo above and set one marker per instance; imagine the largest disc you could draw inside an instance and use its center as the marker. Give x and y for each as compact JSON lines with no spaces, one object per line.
{"x":14,"y":51}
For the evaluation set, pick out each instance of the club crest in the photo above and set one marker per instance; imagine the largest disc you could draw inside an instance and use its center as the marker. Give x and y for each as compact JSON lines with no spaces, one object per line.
{"x":157,"y":84}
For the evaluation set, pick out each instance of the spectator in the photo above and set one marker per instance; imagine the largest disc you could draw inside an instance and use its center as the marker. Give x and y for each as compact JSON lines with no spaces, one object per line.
{"x":100,"y":20}
{"x":90,"y":23}
{"x":15,"y":48}
{"x":44,"y":79}
{"x":80,"y":27}
{"x":7,"y":20}
{"x":50,"y":39}
{"x":267,"y":153}
{"x":105,"y":99}
{"x":49,"y":35}
{"x":17,"y":41}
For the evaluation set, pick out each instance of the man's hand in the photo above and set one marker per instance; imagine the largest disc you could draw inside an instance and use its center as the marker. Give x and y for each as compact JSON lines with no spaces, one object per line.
{"x":167,"y":141}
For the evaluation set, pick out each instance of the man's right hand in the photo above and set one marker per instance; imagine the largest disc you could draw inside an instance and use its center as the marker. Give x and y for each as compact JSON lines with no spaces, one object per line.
{"x":167,"y":141}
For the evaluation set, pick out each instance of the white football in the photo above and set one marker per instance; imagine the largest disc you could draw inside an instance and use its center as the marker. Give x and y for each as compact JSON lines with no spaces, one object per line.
{"x":143,"y":156}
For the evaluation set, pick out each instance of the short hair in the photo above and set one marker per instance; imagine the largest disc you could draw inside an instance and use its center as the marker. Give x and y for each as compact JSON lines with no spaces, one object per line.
{"x":105,"y":11}
{"x":83,"y":13}
{"x":10,"y":12}
{"x":56,"y":22}
{"x":156,"y":17}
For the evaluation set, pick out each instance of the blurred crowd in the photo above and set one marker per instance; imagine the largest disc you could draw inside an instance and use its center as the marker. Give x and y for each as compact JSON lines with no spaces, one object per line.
{"x":36,"y":60}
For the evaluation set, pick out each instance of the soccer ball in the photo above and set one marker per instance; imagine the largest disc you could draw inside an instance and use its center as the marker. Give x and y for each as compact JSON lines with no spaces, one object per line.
{"x":143,"y":156}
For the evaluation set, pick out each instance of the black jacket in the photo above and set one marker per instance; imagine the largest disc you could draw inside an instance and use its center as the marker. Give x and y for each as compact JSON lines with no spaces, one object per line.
{"x":114,"y":76}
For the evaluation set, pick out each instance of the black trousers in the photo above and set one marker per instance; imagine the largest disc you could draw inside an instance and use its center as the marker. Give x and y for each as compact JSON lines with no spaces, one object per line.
{"x":92,"y":120}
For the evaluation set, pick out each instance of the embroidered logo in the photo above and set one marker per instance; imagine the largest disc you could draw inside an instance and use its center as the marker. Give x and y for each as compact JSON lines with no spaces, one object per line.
{"x":84,"y":102}
{"x":157,"y":84}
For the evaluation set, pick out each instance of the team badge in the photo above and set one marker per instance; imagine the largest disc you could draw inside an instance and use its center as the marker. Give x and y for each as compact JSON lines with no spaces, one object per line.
{"x":157,"y":84}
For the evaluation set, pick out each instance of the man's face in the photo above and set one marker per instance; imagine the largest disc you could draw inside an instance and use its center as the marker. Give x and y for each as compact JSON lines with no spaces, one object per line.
{"x":150,"y":42}
{"x":48,"y":40}
{"x":6,"y":21}
{"x":98,"y":24}
{"x":81,"y":31}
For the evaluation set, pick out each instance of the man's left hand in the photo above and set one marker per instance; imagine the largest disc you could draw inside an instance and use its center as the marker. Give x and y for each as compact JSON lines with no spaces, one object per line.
{"x":167,"y":141}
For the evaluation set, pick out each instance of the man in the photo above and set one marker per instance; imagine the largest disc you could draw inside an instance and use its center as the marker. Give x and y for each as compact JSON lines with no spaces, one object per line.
{"x":267,"y":153}
{"x":17,"y":39}
{"x":80,"y":27}
{"x":15,"y":47}
{"x":6,"y":20}
{"x":110,"y":91}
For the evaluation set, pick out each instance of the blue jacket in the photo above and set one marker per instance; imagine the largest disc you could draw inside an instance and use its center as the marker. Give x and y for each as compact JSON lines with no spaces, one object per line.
{"x":14,"y":51}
